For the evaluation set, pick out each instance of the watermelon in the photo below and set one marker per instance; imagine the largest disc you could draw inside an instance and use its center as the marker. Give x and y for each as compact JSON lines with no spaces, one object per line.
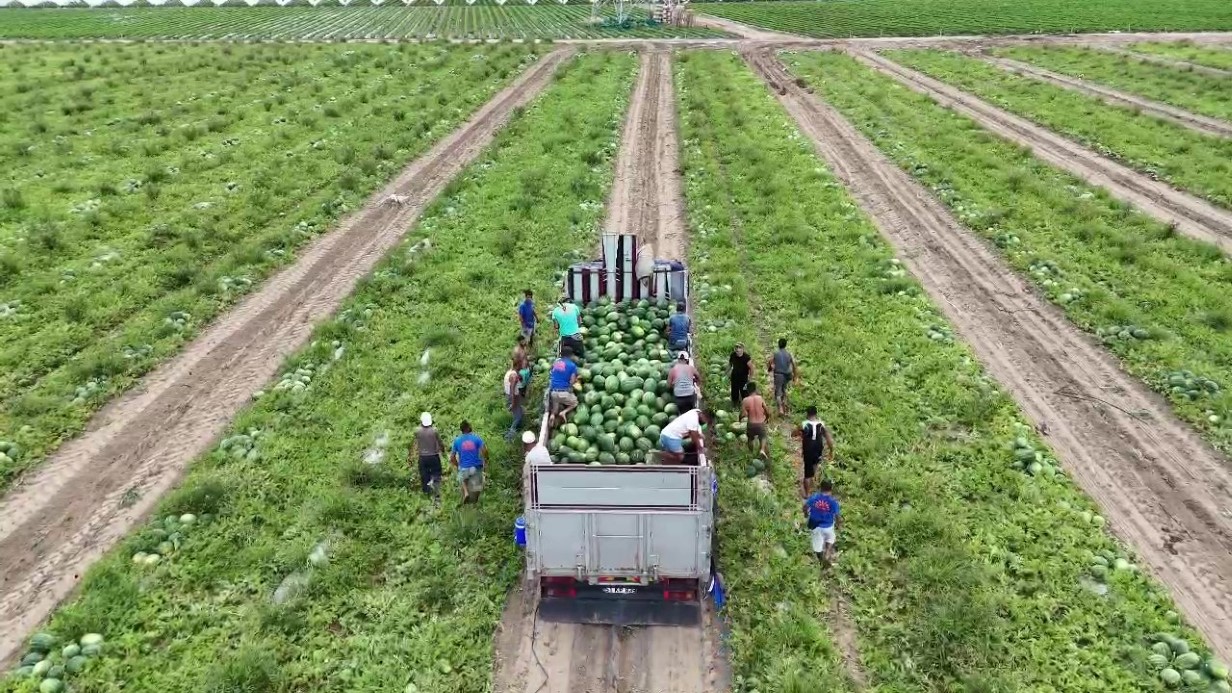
{"x":631,"y":383}
{"x":1162,"y":649}
{"x":607,"y":458}
{"x":1191,"y":677}
{"x":612,"y":384}
{"x":652,"y":432}
{"x":43,"y":642}
{"x":41,"y":668}
{"x":644,"y":444}
{"x":1216,"y":670}
{"x":1170,"y":677}
{"x":659,"y":418}
{"x":750,"y":471}
{"x":70,"y":651}
{"x":626,"y":444}
{"x":92,"y":650}
{"x":51,"y":686}
{"x":596,"y":420}
{"x":670,"y":409}
{"x":1157,"y":660}
{"x":1189,"y":660}
{"x":76,"y":664}
{"x":570,"y":430}
{"x":32,"y":658}
{"x":634,"y":432}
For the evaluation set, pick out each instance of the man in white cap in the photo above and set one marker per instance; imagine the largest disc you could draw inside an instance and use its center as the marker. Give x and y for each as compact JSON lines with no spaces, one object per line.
{"x":428,"y":445}
{"x":684,"y":379}
{"x":535,"y":453}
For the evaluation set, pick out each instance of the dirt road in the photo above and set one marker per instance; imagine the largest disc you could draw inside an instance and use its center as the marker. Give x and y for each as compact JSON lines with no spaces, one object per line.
{"x":746,"y":31}
{"x":533,"y":656}
{"x":95,"y":488}
{"x":647,"y":199}
{"x":1163,"y":489}
{"x":1193,"y":121}
{"x":1192,"y":216}
{"x":1166,"y":62}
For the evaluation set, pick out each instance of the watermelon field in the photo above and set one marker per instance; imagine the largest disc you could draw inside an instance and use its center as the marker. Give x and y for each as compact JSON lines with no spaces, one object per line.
{"x":232,"y":275}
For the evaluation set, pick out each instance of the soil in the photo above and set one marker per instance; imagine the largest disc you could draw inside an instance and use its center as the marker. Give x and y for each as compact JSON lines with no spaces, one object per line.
{"x":1167,"y":62}
{"x":93,"y":490}
{"x":1161,"y":487}
{"x":647,"y":198}
{"x":745,"y":31}
{"x":1193,"y":121}
{"x":1192,"y":216}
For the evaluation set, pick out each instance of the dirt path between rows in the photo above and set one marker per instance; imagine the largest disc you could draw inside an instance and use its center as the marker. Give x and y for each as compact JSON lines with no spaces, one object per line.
{"x":1166,"y":62}
{"x":1198,"y":123}
{"x":1162,"y":488}
{"x":55,"y":524}
{"x":744,"y":31}
{"x":534,"y":656}
{"x":647,"y":198}
{"x":1193,"y":217}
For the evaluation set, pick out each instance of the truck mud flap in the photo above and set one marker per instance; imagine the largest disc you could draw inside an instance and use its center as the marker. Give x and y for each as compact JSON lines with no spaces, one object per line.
{"x":620,"y":612}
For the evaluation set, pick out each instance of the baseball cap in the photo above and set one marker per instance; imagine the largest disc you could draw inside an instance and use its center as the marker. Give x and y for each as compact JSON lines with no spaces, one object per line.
{"x":528,"y":437}
{"x":425,"y":419}
{"x":683,"y":356}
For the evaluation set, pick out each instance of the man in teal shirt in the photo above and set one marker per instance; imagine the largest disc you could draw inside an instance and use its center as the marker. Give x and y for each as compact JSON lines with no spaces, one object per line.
{"x":566,"y":316}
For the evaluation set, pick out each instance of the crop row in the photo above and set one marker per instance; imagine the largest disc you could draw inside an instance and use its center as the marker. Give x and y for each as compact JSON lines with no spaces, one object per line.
{"x":1210,"y":56}
{"x":964,"y":572}
{"x":1157,"y":300}
{"x":845,"y":18}
{"x":138,"y":206}
{"x":1188,"y":160}
{"x":486,"y":21}
{"x":1193,"y":91}
{"x":320,"y":565}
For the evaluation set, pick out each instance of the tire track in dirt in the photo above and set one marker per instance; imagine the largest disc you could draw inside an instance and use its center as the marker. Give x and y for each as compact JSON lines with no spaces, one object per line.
{"x":1161,"y":60}
{"x":58,"y":522}
{"x":1191,"y":216}
{"x":1163,"y":489}
{"x":1198,"y":123}
{"x":647,"y":198}
{"x":533,"y":656}
{"x":740,"y":29}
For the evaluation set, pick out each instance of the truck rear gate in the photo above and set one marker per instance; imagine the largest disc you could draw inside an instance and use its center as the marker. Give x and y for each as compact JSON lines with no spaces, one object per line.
{"x":620,"y":544}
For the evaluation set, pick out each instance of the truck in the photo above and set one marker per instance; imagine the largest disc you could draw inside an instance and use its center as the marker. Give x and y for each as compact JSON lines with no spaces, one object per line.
{"x":611,"y":535}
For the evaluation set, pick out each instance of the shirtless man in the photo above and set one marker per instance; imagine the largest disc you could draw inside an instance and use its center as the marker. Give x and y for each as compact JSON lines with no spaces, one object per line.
{"x":754,"y":410}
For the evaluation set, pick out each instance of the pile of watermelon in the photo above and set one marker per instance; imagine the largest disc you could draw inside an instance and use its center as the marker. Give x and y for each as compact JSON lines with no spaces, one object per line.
{"x":623,"y":397}
{"x":44,"y":663}
{"x":1178,"y":666}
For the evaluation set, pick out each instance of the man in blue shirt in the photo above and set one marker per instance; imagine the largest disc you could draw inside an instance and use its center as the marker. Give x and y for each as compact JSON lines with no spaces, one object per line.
{"x":822,"y":512}
{"x":561,"y":377}
{"x":567,"y":317}
{"x":468,"y":455}
{"x":527,"y":317}
{"x":678,"y":329}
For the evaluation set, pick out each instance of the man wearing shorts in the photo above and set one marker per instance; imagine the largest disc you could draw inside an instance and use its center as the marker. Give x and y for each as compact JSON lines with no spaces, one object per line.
{"x":814,"y":441}
{"x":527,"y":317}
{"x":429,"y":446}
{"x":754,"y":410}
{"x":566,"y":316}
{"x":687,"y":425}
{"x":468,"y":455}
{"x":684,"y":379}
{"x":561,"y":377}
{"x":822,"y":510}
{"x":782,"y":367}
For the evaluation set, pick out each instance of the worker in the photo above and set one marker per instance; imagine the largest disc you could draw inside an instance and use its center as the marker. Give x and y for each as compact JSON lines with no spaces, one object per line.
{"x":561,"y":378}
{"x":428,"y":445}
{"x":822,"y":511}
{"x":566,"y":315}
{"x":521,"y":353}
{"x":468,"y":455}
{"x":514,"y":398}
{"x":754,"y":410}
{"x":678,"y":326}
{"x":684,"y":379}
{"x":689,"y":424}
{"x":739,"y":367}
{"x":782,"y":367}
{"x":815,"y":440}
{"x":536,"y":453}
{"x":527,"y":318}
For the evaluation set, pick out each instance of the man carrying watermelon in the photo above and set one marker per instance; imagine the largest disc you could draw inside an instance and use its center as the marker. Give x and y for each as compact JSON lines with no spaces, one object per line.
{"x":822,"y":510}
{"x":782,"y":367}
{"x":684,"y":379}
{"x":468,"y":455}
{"x":561,"y":377}
{"x":671,"y":439}
{"x":566,"y":315}
{"x":815,"y":439}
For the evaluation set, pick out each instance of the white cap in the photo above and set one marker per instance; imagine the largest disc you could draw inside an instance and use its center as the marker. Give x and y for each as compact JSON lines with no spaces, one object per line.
{"x":683,"y":356}
{"x":425,"y":419}
{"x":528,"y":437}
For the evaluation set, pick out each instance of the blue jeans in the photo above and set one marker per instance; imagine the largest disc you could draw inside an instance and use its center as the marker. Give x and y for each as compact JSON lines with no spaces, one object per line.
{"x":517,"y":412}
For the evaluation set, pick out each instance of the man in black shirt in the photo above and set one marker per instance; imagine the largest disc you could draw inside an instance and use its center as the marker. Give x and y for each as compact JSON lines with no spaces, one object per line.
{"x":815,"y":441}
{"x":738,"y":369}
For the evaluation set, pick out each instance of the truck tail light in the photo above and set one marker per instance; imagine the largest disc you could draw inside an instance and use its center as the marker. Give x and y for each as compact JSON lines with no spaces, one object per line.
{"x":679,"y":590}
{"x":558,"y":587}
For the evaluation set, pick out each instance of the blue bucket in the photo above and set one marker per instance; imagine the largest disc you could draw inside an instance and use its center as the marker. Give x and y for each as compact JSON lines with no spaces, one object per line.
{"x":519,"y":531}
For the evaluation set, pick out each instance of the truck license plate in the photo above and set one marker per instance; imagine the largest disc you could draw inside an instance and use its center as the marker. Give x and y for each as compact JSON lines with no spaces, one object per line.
{"x":620,"y":590}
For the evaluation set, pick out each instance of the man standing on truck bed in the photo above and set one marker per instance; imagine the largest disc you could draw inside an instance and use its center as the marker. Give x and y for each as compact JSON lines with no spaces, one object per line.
{"x":753,"y":409}
{"x":468,"y":455}
{"x":561,"y":377}
{"x":688,"y":424}
{"x":678,"y":329}
{"x":822,"y":510}
{"x":429,"y":446}
{"x":684,"y":379}
{"x":782,"y":367}
{"x":566,"y":316}
{"x":814,"y":438}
